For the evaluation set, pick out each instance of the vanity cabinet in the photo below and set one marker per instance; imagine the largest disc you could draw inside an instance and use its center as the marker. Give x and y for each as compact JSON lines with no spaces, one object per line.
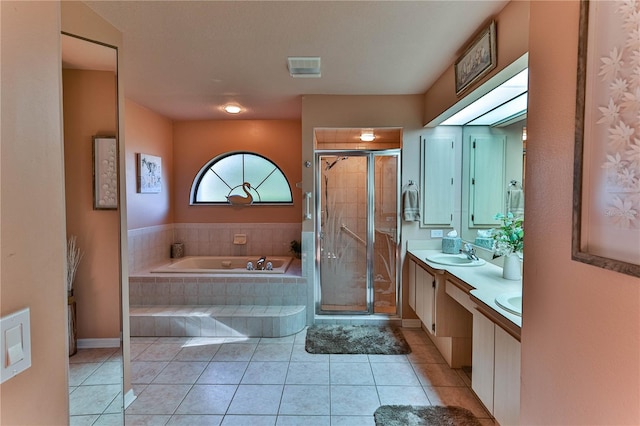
{"x":506,"y":388}
{"x":495,"y":376}
{"x":441,"y":315}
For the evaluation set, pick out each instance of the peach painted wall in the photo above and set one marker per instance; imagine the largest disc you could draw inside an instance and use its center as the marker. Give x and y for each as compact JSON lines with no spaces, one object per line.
{"x":512,"y":38}
{"x":197,"y":142}
{"x":581,"y":323}
{"x":32,"y":223}
{"x":148,"y":133}
{"x":89,"y":104}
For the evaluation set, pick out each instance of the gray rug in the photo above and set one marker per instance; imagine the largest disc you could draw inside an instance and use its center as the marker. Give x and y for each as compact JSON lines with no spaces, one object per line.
{"x":355,"y":339}
{"x":410,"y":415}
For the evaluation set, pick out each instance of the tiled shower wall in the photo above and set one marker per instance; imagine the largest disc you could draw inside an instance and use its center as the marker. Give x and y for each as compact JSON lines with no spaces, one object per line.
{"x":152,"y":245}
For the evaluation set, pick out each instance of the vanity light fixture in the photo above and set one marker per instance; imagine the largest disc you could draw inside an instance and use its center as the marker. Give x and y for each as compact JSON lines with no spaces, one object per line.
{"x":505,"y":101}
{"x":367,"y":136}
{"x":232,"y":109}
{"x":524,"y":133}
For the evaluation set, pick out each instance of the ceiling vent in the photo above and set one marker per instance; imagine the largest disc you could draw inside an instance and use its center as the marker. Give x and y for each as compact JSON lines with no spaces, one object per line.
{"x":304,"y":66}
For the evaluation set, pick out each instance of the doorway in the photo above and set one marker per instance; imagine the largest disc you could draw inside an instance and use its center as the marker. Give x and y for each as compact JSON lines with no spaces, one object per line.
{"x":357,"y":232}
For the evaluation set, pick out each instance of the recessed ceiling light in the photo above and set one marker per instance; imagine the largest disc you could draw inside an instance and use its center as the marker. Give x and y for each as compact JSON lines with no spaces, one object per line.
{"x":367,"y":136}
{"x":232,"y":109}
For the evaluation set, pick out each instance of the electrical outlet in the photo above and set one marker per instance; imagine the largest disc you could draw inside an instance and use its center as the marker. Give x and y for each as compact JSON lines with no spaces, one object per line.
{"x":436,"y":233}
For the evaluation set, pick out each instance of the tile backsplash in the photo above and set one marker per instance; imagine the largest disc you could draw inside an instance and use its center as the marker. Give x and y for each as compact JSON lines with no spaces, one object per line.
{"x":151,"y":246}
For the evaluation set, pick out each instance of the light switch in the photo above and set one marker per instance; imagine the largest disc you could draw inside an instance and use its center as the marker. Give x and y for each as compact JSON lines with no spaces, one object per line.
{"x":13,"y":338}
{"x":15,"y":344}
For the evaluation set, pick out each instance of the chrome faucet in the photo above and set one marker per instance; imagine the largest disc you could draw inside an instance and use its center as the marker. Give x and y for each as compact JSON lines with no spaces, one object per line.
{"x":260,"y":263}
{"x":469,"y":251}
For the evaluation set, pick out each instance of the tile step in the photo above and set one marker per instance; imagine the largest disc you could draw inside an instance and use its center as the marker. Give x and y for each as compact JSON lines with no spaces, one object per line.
{"x":216,"y":320}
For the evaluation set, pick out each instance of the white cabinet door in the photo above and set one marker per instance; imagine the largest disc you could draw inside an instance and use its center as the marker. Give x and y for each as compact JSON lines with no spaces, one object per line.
{"x":424,"y":294}
{"x":482,"y":372}
{"x":412,"y":284}
{"x":507,"y":379}
{"x":420,"y":293}
{"x":487,"y":189}
{"x":437,"y":177}
{"x":428,"y":281}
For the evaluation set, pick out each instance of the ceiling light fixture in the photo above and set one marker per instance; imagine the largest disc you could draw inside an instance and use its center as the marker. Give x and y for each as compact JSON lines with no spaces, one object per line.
{"x":232,"y":109}
{"x":367,"y":136}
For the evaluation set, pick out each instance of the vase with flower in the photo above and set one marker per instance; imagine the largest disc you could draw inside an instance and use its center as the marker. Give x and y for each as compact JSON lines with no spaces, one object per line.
{"x":508,"y":241}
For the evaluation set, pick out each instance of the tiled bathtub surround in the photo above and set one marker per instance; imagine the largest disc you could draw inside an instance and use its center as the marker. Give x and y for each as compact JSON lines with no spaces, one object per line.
{"x":151,"y":246}
{"x":268,"y":290}
{"x":218,"y":306}
{"x":217,"y":321}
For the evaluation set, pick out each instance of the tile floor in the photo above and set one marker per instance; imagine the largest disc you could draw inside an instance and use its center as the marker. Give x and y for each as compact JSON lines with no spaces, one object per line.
{"x":274,"y":381}
{"x":95,"y":387}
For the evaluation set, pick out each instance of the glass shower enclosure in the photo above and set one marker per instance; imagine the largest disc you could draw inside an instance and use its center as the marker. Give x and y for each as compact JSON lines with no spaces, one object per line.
{"x":357,"y":232}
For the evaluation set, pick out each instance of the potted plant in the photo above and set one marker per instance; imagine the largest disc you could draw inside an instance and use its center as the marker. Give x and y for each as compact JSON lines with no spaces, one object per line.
{"x":296,"y":248}
{"x":508,"y":241}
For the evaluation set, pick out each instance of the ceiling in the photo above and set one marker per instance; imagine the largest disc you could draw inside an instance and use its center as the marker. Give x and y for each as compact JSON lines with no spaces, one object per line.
{"x":186,"y":59}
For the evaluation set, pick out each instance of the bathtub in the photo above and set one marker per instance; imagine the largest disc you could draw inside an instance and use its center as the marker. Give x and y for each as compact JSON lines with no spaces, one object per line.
{"x":223,"y":265}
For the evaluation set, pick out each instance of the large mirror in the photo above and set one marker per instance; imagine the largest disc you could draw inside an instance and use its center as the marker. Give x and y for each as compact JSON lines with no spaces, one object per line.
{"x":90,"y":109}
{"x":488,"y":141}
{"x":493,"y":159}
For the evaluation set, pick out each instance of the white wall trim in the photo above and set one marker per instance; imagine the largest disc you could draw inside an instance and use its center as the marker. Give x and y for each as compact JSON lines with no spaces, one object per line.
{"x":98,"y":343}
{"x":129,"y":397}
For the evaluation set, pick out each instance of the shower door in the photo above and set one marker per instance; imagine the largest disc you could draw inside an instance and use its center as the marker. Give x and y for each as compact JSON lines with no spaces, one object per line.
{"x":357,"y":238}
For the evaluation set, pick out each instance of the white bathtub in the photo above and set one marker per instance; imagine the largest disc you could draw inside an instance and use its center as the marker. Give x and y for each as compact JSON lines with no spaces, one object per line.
{"x":224,"y":265}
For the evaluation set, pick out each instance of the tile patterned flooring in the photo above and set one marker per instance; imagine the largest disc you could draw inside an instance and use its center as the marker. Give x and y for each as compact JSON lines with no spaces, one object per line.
{"x":95,"y":387}
{"x":273,"y":381}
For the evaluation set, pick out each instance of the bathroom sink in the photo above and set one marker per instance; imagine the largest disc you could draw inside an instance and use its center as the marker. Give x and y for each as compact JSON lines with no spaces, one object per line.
{"x":510,"y":302}
{"x":454,"y":260}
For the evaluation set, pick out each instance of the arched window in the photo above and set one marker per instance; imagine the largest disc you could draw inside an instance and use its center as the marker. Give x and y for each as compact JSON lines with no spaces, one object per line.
{"x":241,"y":178}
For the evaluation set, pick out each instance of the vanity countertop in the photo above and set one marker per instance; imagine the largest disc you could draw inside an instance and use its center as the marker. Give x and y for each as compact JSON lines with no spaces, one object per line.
{"x":484,"y":283}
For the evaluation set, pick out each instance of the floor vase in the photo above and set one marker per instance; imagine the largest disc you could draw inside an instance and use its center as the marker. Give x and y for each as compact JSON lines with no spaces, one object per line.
{"x":73,"y":336}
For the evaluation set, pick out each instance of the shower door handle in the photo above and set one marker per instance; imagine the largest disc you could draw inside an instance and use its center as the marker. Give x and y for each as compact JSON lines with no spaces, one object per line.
{"x":307,"y":196}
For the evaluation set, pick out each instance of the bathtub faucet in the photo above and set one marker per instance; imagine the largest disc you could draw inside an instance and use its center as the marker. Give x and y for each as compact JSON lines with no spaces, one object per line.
{"x":260,"y":264}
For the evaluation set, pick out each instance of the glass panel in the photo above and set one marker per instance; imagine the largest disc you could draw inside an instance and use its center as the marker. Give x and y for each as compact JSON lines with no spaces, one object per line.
{"x":385,"y":225}
{"x":275,"y":189}
{"x":343,"y":241}
{"x":212,"y":189}
{"x":230,"y":170}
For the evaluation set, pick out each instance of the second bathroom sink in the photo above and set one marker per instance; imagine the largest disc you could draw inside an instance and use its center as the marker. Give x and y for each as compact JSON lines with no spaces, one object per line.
{"x":510,"y":302}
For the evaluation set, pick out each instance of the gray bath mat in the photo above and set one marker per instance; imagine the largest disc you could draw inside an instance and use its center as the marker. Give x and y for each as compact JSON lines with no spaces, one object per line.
{"x":355,"y":339}
{"x":410,"y":415}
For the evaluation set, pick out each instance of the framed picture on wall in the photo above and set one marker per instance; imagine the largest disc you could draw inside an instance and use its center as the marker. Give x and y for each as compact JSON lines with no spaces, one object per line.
{"x":105,"y":173}
{"x":477,"y":60}
{"x":606,"y":197}
{"x":149,"y":174}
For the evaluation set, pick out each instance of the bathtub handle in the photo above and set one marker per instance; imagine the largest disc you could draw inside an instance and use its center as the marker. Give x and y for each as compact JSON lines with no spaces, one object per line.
{"x":307,"y":196}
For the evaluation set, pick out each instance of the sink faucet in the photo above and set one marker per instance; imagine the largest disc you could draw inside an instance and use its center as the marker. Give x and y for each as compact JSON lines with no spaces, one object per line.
{"x":469,"y":251}
{"x":260,"y":263}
